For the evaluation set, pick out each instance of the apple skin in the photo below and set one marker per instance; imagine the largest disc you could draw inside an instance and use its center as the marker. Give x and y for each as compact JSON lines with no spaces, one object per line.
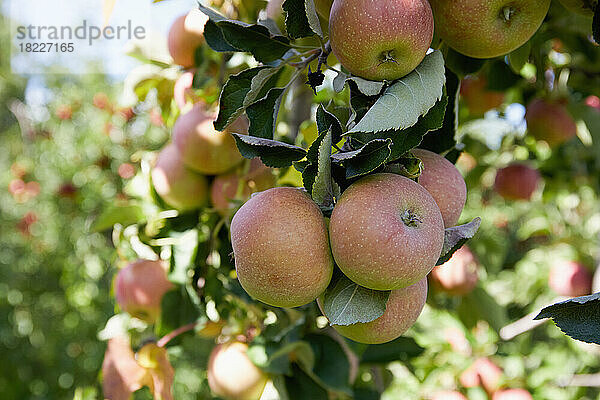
{"x":225,"y":188}
{"x":203,"y":148}
{"x":449,"y":395}
{"x":178,"y":186}
{"x":444,"y":183}
{"x":231,"y":374}
{"x":550,"y":121}
{"x":458,"y":275}
{"x":281,"y":248}
{"x":482,"y":372}
{"x":479,"y":100}
{"x":512,"y":394}
{"x":583,"y":7}
{"x":383,"y":40}
{"x":401,"y":311}
{"x":185,"y":36}
{"x":139,"y":288}
{"x":516,"y":181}
{"x":478,"y":28}
{"x":570,"y":278}
{"x":370,"y":241}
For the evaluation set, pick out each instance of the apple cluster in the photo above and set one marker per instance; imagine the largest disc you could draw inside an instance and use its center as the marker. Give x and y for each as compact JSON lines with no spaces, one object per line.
{"x":385,"y":233}
{"x":387,"y":40}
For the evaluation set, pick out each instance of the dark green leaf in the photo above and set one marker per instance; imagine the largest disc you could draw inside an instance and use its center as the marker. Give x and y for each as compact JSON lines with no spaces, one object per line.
{"x":366,"y":159}
{"x":331,"y":364}
{"x":296,"y":21}
{"x":346,"y":303}
{"x":254,"y":39}
{"x":519,"y":57}
{"x":263,"y":114}
{"x":177,"y":309}
{"x":462,"y":65}
{"x":400,"y":349}
{"x":456,"y":236}
{"x":501,"y":77}
{"x":272,"y":152}
{"x":324,"y":190}
{"x":596,"y":25}
{"x":326,"y":121}
{"x":300,"y":386}
{"x":578,"y":317}
{"x":215,"y":39}
{"x":480,"y":306}
{"x":443,"y":139}
{"x":364,"y":86}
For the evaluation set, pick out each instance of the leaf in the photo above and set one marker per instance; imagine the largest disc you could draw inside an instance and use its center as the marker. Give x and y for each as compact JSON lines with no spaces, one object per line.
{"x":366,"y":159}
{"x":125,"y":215}
{"x":407,"y":99}
{"x":462,"y":65}
{"x":275,"y":359}
{"x":184,"y":254}
{"x":313,"y":17}
{"x":578,"y":317}
{"x":301,"y":386}
{"x":177,"y":309}
{"x":215,"y":39}
{"x":326,"y":121}
{"x":297,"y":23}
{"x":500,"y":77}
{"x":331,"y":364}
{"x":121,"y":374}
{"x":401,"y":349}
{"x":263,"y":114}
{"x":519,"y":57}
{"x":346,"y":303}
{"x":479,"y":305}
{"x":456,"y":236}
{"x":364,"y":86}
{"x":324,"y":190}
{"x":156,"y":362}
{"x":596,"y":25}
{"x":272,"y":153}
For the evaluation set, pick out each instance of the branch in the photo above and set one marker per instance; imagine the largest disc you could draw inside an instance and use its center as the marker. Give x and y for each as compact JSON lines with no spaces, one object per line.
{"x":526,"y":323}
{"x":162,"y":342}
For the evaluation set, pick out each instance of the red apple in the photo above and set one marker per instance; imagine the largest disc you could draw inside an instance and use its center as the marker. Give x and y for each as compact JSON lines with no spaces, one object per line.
{"x":570,"y":278}
{"x":512,"y":394}
{"x":185,"y":36}
{"x":458,"y":275}
{"x":482,"y":372}
{"x":550,"y":121}
{"x":479,"y":99}
{"x":516,"y":181}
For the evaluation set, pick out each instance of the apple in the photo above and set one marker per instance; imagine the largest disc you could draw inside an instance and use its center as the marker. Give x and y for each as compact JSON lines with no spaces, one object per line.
{"x":121,"y":374}
{"x":482,"y":372}
{"x":444,"y":183}
{"x":512,"y":394}
{"x":593,"y":102}
{"x":229,"y":188}
{"x":583,"y":7}
{"x":101,"y":101}
{"x":203,"y":148}
{"x":402,"y":310}
{"x":383,"y":40}
{"x":183,"y":90}
{"x":232,"y":375}
{"x":570,"y":278}
{"x":139,"y":288}
{"x":176,"y":185}
{"x":64,"y":112}
{"x":550,"y":121}
{"x":281,"y":248}
{"x":487,"y":28}
{"x":386,"y":232}
{"x":516,"y":181}
{"x":458,"y":275}
{"x":449,"y":395}
{"x":185,"y":36}
{"x":479,"y":100}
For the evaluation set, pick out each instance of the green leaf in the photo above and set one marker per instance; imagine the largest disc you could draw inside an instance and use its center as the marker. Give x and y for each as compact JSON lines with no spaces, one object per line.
{"x":462,"y":65}
{"x":406,"y":100}
{"x":313,"y":17}
{"x":331,"y":364}
{"x":364,"y":86}
{"x":215,"y":39}
{"x":519,"y":57}
{"x":124,"y":215}
{"x":346,"y":303}
{"x":263,"y":114}
{"x":272,"y":153}
{"x":326,"y":121}
{"x":578,"y":317}
{"x":177,"y":309}
{"x":297,"y":23}
{"x":366,"y":159}
{"x":401,"y":349}
{"x":479,"y":305}
{"x":359,"y":104}
{"x":301,"y":386}
{"x":324,"y":190}
{"x":442,"y":138}
{"x":184,"y":253}
{"x":233,"y":96}
{"x":596,"y":25}
{"x":500,"y":77}
{"x":275,"y":359}
{"x":255,"y":39}
{"x":456,"y":236}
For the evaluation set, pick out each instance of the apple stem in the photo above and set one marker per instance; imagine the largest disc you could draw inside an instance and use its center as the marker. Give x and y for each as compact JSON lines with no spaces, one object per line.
{"x":411,"y":219}
{"x":507,"y":13}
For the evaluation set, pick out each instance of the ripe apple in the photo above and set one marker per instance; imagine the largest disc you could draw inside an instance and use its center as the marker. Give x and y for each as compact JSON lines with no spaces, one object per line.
{"x":474,"y":92}
{"x":139,"y":288}
{"x":402,"y":310}
{"x":64,"y":112}
{"x":550,"y":121}
{"x":281,"y":249}
{"x":203,"y":148}
{"x":570,"y":278}
{"x":232,"y":375}
{"x":235,"y":186}
{"x":444,"y":183}
{"x":386,"y":232}
{"x":178,"y":186}
{"x":449,"y":395}
{"x":185,"y":36}
{"x":458,"y":275}
{"x":382,"y":40}
{"x":516,"y":181}
{"x":487,"y":28}
{"x":583,"y":7}
{"x":512,"y":394}
{"x":593,"y":102}
{"x":482,"y":372}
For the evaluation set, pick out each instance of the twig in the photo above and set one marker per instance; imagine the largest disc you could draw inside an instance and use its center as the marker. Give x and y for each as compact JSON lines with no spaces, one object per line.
{"x":162,"y":342}
{"x":526,"y":323}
